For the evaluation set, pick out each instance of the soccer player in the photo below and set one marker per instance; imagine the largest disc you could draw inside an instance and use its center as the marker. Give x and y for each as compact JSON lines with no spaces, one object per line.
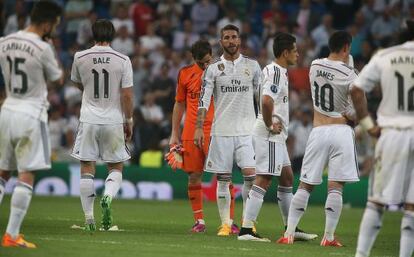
{"x":26,"y":62}
{"x":331,"y":141}
{"x":270,"y":134}
{"x":392,"y":182}
{"x":232,"y":81}
{"x":105,"y":77}
{"x":188,"y":92}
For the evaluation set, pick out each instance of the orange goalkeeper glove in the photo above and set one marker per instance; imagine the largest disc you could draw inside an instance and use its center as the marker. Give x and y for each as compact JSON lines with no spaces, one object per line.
{"x":174,"y":157}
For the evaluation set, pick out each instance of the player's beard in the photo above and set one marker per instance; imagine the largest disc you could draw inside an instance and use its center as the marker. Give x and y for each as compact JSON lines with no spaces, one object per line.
{"x":231,"y":51}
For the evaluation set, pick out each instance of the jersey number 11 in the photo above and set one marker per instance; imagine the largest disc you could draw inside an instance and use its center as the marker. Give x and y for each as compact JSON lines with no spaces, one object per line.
{"x":96,"y":83}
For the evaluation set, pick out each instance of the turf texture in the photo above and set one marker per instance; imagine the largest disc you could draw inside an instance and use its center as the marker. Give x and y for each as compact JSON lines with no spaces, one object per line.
{"x":156,"y":228}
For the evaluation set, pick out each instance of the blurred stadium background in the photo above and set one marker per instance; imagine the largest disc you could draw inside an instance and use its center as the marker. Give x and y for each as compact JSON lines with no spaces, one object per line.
{"x":156,"y":34}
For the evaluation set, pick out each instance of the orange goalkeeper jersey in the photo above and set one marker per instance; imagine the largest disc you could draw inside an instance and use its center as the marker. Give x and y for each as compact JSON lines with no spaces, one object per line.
{"x":188,"y":91}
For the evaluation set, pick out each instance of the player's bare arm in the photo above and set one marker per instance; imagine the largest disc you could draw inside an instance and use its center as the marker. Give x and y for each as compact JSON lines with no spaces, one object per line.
{"x":78,"y":85}
{"x":267,"y":111}
{"x":360,"y":103}
{"x":127,"y":97}
{"x":199,"y":133}
{"x":177,"y":115}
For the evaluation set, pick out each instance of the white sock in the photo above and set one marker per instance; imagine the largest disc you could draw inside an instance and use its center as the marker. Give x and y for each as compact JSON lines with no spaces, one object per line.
{"x":284,"y":198}
{"x":224,"y":199}
{"x":20,"y":201}
{"x":407,"y":234}
{"x":333,"y":208}
{"x":369,"y":228}
{"x":247,"y":185}
{"x":296,"y":210}
{"x":87,"y":195}
{"x":253,"y":204}
{"x":113,"y":183}
{"x":2,"y":188}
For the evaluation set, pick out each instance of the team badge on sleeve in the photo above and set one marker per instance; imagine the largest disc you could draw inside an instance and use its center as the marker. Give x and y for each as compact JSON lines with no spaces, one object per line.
{"x":274,"y":88}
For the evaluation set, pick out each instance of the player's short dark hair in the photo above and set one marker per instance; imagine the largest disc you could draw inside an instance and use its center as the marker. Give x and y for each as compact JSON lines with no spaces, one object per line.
{"x":45,"y":11}
{"x":338,"y":40}
{"x":103,"y":30}
{"x":281,"y":42}
{"x":200,"y":48}
{"x":229,"y":27}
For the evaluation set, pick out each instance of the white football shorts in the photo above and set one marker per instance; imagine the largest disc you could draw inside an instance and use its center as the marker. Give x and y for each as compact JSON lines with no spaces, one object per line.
{"x":392,"y":180}
{"x":24,"y":142}
{"x":332,"y":145}
{"x":224,"y":150}
{"x":271,"y":157}
{"x":105,"y":142}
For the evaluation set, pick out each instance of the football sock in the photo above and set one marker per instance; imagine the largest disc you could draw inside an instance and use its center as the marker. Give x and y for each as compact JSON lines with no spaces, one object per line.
{"x":247,"y":185}
{"x":369,"y":228}
{"x":195,"y":194}
{"x":296,"y":210}
{"x":253,"y":204}
{"x":87,"y":195}
{"x":223,"y":198}
{"x":407,"y":234}
{"x":113,"y":183}
{"x":333,"y":208}
{"x":284,"y":198}
{"x":232,"y":197}
{"x":20,"y":201}
{"x":2,"y":188}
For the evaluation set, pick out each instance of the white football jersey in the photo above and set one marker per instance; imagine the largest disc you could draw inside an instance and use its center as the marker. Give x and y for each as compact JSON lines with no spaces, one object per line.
{"x":331,"y":82}
{"x":27,"y":62}
{"x":393,"y":69}
{"x":233,"y":85}
{"x":103,"y":72}
{"x":275,"y":85}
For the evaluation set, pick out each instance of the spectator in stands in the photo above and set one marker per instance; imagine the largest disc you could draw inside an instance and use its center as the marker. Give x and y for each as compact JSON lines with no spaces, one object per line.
{"x":164,"y":89}
{"x":75,"y":12}
{"x":18,"y":20}
{"x":202,"y":13}
{"x":150,"y":41}
{"x":384,"y":28}
{"x":171,"y":9}
{"x":85,"y":37}
{"x":151,"y":112}
{"x":320,"y":35}
{"x":229,"y":18}
{"x":183,"y":39}
{"x":142,"y":15}
{"x":122,"y":19}
{"x":123,"y":43}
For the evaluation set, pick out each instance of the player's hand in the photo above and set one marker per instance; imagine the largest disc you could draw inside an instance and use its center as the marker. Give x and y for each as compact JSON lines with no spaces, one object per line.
{"x":276,"y":128}
{"x":374,"y":132}
{"x":128,"y":131}
{"x":174,"y":140}
{"x":174,"y":157}
{"x":199,"y":137}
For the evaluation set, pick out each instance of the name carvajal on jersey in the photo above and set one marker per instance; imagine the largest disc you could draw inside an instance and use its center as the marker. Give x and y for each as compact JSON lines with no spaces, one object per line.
{"x":13,"y":46}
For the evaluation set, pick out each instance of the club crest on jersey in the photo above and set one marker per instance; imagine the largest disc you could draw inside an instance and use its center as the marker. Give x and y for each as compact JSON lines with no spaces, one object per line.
{"x":247,"y":72}
{"x":274,"y":88}
{"x":220,"y":66}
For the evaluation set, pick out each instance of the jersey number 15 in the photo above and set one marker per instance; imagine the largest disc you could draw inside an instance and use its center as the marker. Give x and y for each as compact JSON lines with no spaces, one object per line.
{"x":17,"y":72}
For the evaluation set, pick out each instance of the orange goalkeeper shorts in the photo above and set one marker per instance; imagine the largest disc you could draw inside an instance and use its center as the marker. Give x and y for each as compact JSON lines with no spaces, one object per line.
{"x":194,"y":157}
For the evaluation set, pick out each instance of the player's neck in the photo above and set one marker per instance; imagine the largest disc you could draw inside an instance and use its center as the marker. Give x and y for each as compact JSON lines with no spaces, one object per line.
{"x":337,"y":57}
{"x":230,"y":57}
{"x":35,"y":29}
{"x":281,"y":62}
{"x":102,"y":43}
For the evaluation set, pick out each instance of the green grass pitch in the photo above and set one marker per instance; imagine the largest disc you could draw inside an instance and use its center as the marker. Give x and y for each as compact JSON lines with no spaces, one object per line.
{"x":154,"y":228}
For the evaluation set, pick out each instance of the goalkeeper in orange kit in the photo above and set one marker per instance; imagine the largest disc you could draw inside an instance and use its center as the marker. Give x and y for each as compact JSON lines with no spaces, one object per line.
{"x":186,"y":155}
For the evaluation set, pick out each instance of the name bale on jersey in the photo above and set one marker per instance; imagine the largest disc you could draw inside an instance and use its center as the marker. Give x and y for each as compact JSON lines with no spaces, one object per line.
{"x":325,"y":74}
{"x":101,"y":60}
{"x":13,"y":46}
{"x":235,"y":87}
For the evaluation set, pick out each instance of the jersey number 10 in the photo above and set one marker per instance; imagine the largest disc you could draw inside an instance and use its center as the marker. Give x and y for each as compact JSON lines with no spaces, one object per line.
{"x":96,"y":83}
{"x":320,"y":97}
{"x":400,"y":82}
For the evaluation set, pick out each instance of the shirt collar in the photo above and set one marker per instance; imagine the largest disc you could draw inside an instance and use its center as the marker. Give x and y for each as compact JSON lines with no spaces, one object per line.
{"x":235,"y":61}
